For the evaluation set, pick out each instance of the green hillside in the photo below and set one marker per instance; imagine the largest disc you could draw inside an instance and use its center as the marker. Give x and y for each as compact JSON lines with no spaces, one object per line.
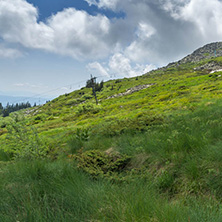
{"x":149,"y":151}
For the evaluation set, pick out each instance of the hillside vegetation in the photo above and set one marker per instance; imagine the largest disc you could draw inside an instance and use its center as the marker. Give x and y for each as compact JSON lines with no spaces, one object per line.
{"x":149,"y":151}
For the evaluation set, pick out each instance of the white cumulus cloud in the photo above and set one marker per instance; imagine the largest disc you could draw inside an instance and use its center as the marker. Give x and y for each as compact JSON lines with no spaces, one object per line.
{"x":103,"y":3}
{"x":79,"y":34}
{"x":69,"y":32}
{"x":207,"y":18}
{"x":122,"y":65}
{"x":6,"y":52}
{"x":18,"y":23}
{"x":97,"y":68}
{"x":151,"y":33}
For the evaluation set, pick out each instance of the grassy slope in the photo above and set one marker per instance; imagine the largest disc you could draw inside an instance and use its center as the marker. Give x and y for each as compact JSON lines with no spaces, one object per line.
{"x":172,"y":131}
{"x":175,"y":92}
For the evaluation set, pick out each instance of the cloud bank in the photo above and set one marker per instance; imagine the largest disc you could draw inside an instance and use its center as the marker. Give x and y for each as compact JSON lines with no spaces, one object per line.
{"x":151,"y":34}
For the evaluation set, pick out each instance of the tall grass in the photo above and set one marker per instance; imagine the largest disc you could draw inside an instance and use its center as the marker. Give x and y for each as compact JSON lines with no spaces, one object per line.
{"x":41,"y":191}
{"x":56,"y":191}
{"x":184,"y":154}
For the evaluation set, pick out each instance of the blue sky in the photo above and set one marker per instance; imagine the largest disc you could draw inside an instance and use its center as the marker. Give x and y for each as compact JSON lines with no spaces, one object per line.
{"x":50,"y":47}
{"x":49,"y":7}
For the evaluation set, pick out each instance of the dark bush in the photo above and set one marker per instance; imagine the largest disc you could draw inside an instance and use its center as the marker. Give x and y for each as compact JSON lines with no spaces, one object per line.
{"x":98,"y":163}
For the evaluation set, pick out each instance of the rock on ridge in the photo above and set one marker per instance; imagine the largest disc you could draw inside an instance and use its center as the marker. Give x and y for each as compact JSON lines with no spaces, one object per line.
{"x":206,"y":52}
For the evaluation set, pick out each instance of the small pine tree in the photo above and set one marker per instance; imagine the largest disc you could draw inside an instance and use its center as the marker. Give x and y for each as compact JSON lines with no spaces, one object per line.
{"x":5,"y":112}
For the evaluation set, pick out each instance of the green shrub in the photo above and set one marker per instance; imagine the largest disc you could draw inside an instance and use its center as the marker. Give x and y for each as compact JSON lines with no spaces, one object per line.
{"x":23,"y":141}
{"x":82,"y":134}
{"x":86,"y":97}
{"x":87,"y":108}
{"x":116,"y":126}
{"x":4,"y":156}
{"x":98,"y":163}
{"x":77,"y":140}
{"x":71,"y":102}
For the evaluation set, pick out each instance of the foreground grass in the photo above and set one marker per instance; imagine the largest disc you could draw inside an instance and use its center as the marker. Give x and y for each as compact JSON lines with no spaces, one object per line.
{"x":56,"y":191}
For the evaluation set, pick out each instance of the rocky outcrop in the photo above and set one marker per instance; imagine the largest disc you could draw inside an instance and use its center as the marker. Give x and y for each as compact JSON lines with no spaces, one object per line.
{"x":33,"y":111}
{"x":217,"y":70}
{"x":206,"y":52}
{"x":131,"y":90}
{"x":212,"y":65}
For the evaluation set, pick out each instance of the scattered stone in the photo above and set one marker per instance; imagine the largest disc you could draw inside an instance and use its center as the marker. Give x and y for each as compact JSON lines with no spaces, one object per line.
{"x":218,"y":70}
{"x":211,"y":66}
{"x":32,"y":111}
{"x":131,"y":90}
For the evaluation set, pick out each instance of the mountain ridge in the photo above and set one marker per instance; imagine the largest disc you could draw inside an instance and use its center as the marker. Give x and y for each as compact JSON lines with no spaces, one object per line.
{"x":208,"y":51}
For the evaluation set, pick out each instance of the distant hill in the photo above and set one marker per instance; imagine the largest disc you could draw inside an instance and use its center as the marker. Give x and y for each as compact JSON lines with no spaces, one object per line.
{"x":4,"y":99}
